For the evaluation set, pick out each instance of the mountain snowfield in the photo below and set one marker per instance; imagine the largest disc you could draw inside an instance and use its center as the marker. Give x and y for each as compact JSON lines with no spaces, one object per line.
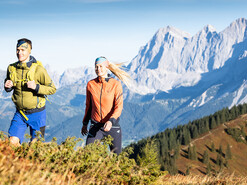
{"x":173,"y":58}
{"x":176,"y":78}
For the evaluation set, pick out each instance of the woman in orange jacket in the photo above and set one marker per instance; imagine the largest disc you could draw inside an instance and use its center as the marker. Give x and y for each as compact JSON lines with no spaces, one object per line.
{"x":104,"y":104}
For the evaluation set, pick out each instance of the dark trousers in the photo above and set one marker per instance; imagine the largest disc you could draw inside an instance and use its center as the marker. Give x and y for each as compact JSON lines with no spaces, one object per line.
{"x":96,"y":131}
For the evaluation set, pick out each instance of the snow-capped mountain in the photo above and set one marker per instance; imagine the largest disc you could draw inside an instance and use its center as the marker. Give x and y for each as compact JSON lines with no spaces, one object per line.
{"x":82,"y":75}
{"x":71,"y":76}
{"x":172,"y":58}
{"x":176,"y":78}
{"x":3,"y":94}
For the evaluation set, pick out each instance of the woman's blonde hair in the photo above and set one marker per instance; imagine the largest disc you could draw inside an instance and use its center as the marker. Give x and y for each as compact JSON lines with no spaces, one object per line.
{"x":122,"y":75}
{"x":116,"y":69}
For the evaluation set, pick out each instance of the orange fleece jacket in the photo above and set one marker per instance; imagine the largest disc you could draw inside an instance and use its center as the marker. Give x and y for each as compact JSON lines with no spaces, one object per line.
{"x":104,"y":100}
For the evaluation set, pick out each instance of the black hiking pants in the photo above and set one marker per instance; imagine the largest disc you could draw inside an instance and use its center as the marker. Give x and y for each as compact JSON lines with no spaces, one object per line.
{"x":96,"y":131}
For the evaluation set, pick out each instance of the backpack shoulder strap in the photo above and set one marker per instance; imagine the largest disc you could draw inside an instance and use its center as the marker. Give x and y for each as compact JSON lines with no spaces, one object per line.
{"x":12,"y":72}
{"x":32,"y":70}
{"x":39,"y":63}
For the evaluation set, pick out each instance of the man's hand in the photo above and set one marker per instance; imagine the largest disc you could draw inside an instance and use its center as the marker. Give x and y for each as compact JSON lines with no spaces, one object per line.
{"x":8,"y":84}
{"x":84,"y":130}
{"x":31,"y":85}
{"x":107,"y":126}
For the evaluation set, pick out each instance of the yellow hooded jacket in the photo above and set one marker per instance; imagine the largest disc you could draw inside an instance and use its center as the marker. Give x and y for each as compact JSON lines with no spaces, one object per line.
{"x":24,"y":98}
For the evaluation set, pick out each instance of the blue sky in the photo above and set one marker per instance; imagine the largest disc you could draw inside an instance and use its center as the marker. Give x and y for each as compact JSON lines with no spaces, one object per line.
{"x":72,"y":33}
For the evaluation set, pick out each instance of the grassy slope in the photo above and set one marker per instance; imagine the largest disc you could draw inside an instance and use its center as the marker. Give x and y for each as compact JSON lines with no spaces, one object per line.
{"x":50,"y":163}
{"x":218,"y":136}
{"x":30,"y":167}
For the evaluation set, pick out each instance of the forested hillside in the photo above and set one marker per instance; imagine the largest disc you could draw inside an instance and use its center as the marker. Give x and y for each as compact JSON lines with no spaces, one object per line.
{"x":205,"y":146}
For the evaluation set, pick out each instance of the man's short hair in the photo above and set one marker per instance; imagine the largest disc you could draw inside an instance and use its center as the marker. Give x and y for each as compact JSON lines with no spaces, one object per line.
{"x":25,"y":40}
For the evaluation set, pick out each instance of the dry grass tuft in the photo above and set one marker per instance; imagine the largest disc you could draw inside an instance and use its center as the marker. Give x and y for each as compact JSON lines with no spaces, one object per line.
{"x":200,"y":179}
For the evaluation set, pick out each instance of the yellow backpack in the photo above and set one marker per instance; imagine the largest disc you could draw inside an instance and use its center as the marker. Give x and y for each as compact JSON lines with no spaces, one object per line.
{"x":30,"y":73}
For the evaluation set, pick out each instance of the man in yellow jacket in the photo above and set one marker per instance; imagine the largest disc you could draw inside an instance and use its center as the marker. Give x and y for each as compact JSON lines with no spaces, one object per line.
{"x":30,"y":83}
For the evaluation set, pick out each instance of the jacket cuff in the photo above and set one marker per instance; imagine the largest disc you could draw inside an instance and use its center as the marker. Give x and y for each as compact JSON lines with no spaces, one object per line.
{"x":85,"y":123}
{"x":8,"y":89}
{"x":37,"y":88}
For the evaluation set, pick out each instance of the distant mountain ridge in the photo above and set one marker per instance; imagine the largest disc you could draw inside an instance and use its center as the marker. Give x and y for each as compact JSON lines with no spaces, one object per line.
{"x":175,"y":78}
{"x":172,"y":58}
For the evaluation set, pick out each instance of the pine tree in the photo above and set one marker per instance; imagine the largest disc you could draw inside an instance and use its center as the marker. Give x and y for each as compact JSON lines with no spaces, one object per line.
{"x":164,"y":145}
{"x":190,"y":154}
{"x":170,"y":165}
{"x":212,"y":123}
{"x":186,"y":137}
{"x":172,"y":140}
{"x":194,"y":153}
{"x":223,"y":116}
{"x":237,"y":111}
{"x":201,"y":129}
{"x":188,"y":170}
{"x":218,"y":121}
{"x":219,"y":161}
{"x":243,"y":110}
{"x":233,"y":112}
{"x":220,"y":150}
{"x":243,"y":134}
{"x":228,"y":152}
{"x":227,"y":113}
{"x":206,"y":123}
{"x":212,"y":147}
{"x":226,"y":163}
{"x":209,"y":169}
{"x":149,"y":157}
{"x":205,"y":158}
{"x":177,"y":149}
{"x":194,"y":132}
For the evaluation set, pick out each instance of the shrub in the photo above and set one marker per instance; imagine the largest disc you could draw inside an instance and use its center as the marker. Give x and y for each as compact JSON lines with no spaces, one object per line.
{"x":92,"y":164}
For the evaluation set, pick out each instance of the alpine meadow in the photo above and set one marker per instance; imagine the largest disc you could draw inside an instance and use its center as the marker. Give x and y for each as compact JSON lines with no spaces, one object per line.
{"x":184,"y":118}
